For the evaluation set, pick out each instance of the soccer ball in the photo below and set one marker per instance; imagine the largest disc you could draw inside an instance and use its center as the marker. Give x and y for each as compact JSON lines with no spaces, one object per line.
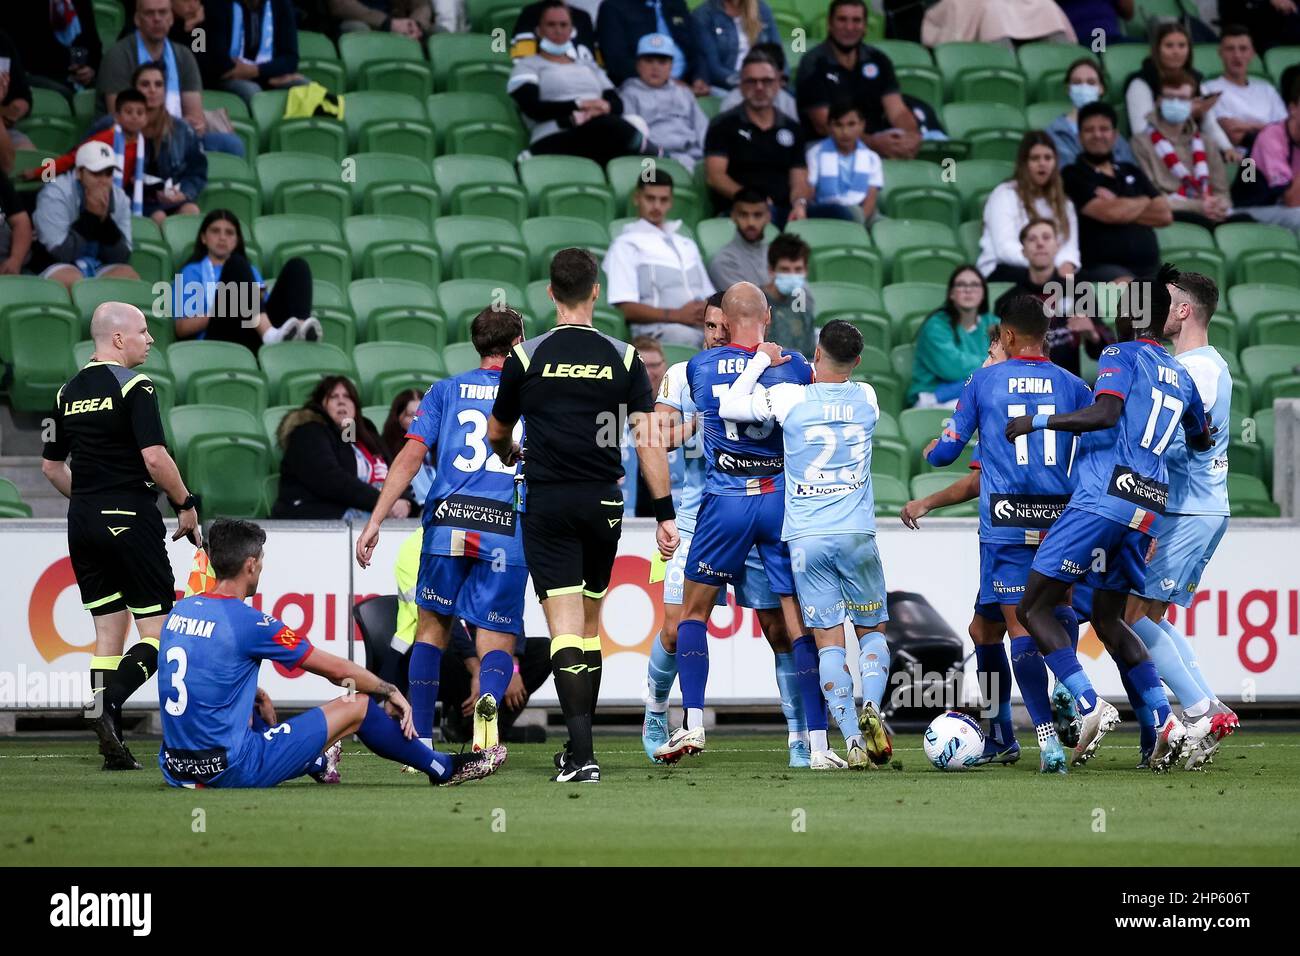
{"x":953,"y":741}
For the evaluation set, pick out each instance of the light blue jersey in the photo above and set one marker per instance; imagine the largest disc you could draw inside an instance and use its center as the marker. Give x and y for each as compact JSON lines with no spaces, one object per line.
{"x":1198,"y":480}
{"x":676,"y":393}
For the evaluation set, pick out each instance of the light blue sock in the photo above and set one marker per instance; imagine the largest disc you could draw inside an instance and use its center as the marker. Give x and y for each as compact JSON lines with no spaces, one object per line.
{"x":837,"y":685}
{"x":787,"y":682}
{"x":1190,"y":660}
{"x":1146,"y":682}
{"x":1169,"y":663}
{"x":423,"y":679}
{"x":1065,"y":665}
{"x":873,"y":666}
{"x":662,"y":671}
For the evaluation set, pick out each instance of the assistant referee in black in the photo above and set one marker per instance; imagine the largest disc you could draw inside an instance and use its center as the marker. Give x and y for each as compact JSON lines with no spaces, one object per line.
{"x":106,"y":418}
{"x":576,"y":389}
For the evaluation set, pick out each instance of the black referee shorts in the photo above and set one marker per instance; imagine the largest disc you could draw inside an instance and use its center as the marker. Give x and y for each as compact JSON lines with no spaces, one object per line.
{"x":571,"y":533}
{"x":119,"y":555}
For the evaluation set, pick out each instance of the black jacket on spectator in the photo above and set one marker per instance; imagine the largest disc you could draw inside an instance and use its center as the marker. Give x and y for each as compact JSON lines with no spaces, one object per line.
{"x":1062,"y":344}
{"x":622,"y":23}
{"x":219,"y":22}
{"x":523,"y":40}
{"x":43,"y":55}
{"x":19,"y":88}
{"x":318,"y":474}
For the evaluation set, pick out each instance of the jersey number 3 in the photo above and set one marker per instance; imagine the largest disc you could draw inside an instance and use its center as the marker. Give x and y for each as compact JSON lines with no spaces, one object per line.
{"x":176,"y":655}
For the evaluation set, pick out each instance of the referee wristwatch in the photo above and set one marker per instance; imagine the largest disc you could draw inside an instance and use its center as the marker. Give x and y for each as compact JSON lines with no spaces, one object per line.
{"x":191,"y":502}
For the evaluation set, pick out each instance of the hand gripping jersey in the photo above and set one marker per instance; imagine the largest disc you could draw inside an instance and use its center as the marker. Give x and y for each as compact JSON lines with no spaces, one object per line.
{"x":470,"y":510}
{"x":675,"y":392}
{"x":1198,"y":480}
{"x":1122,"y":474}
{"x":1025,"y":484}
{"x":740,"y":459}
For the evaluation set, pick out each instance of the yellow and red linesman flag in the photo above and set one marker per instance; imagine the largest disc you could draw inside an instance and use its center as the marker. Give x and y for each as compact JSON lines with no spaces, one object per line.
{"x":202,"y":579}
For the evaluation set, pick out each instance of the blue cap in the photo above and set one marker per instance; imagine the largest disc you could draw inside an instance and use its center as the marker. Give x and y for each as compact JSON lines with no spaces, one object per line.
{"x":655,"y":44}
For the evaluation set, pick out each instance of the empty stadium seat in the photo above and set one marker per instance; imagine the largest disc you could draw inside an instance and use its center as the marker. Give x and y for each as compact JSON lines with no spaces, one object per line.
{"x":890,"y":494}
{"x":385,"y":368}
{"x":390,"y":184}
{"x":294,"y":368}
{"x":11,"y":501}
{"x":24,"y":292}
{"x":543,"y":236}
{"x":1276,"y":328}
{"x":271,"y":418}
{"x":830,"y":298}
{"x":480,"y":186}
{"x":462,"y":299}
{"x":917,"y":190}
{"x":840,"y":252}
{"x":370,"y":297}
{"x":1248,"y":497}
{"x":303,"y":184}
{"x":567,"y":185}
{"x":384,"y":122}
{"x":1248,"y":300}
{"x":1264,"y":365}
{"x":1258,"y":252}
{"x":193,"y":363}
{"x":460,"y":357}
{"x":475,"y":247}
{"x":39,"y":341}
{"x":389,"y":62}
{"x":976,"y":178}
{"x":393,"y":247}
{"x":316,"y":240}
{"x":189,"y":422}
{"x":917,"y":250}
{"x":476,"y":123}
{"x":993,"y":130}
{"x":319,"y":61}
{"x":449,"y":51}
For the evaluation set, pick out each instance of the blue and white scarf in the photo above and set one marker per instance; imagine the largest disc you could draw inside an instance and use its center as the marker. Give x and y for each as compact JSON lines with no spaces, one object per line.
{"x":210,"y":279}
{"x":842,"y":179}
{"x":171,"y":74}
{"x":137,"y":183}
{"x":265,"y":46}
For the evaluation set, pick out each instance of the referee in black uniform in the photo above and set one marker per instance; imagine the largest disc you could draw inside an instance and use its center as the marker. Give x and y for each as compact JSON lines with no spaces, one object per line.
{"x":106,"y":417}
{"x":576,"y":389}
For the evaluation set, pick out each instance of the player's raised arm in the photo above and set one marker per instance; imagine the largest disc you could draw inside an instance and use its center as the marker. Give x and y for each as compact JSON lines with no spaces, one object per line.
{"x":965,"y":420}
{"x":739,"y":402}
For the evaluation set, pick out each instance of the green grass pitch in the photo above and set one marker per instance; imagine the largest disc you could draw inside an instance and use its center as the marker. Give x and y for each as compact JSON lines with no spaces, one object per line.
{"x":736,"y":804}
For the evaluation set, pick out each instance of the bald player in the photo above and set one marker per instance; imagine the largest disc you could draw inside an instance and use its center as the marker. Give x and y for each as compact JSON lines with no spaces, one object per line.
{"x":106,"y":417}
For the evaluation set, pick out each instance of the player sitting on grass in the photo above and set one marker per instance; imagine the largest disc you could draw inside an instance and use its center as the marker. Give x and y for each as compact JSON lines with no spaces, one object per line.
{"x":830,"y":524}
{"x":212,"y":647}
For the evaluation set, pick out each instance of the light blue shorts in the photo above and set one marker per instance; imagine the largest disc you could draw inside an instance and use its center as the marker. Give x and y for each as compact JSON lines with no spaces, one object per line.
{"x":1181,"y":556}
{"x":839,"y":576}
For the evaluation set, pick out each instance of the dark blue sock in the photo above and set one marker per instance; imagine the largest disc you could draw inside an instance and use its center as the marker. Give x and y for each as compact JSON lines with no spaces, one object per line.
{"x":1031,"y":677}
{"x":494,"y":673}
{"x":808,"y":673}
{"x":1070,"y":621}
{"x":1065,"y":665}
{"x":1146,"y":681}
{"x":424,"y":677}
{"x":995,"y":688}
{"x":1145,"y":716}
{"x":384,"y":736}
{"x":692,"y":661}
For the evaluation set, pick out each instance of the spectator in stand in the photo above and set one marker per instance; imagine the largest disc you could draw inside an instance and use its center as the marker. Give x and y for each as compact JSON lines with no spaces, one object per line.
{"x":61,"y":48}
{"x":744,"y":258}
{"x":187,"y":16}
{"x":173,"y":153}
{"x":334,"y":462}
{"x":252,"y":46}
{"x":1246,"y":103}
{"x":1035,"y":192}
{"x":784,"y":102}
{"x":725,"y":32}
{"x":567,"y":101}
{"x":669,"y":109}
{"x":15,"y":230}
{"x":15,"y":94}
{"x":1119,"y":209}
{"x":1006,"y":22}
{"x":953,"y":341}
{"x":842,"y":66}
{"x":409,"y":18}
{"x":1171,"y":52}
{"x":220,"y":295}
{"x":524,"y":39}
{"x":1174,"y":155}
{"x":1270,"y":22}
{"x":755,"y":146}
{"x":149,"y":43}
{"x":83,"y":222}
{"x":788,"y":296}
{"x":845,"y":174}
{"x":1084,"y":84}
{"x":1273,"y":195}
{"x":1094,"y":20}
{"x":400,"y":413}
{"x":656,"y":276}
{"x":621,"y":23}
{"x":1066,"y":332}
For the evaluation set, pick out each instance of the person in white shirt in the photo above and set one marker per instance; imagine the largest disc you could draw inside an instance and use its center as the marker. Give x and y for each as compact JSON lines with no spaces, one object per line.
{"x":1036,"y":192}
{"x":656,"y":276}
{"x":846,"y":174}
{"x":1246,"y":103}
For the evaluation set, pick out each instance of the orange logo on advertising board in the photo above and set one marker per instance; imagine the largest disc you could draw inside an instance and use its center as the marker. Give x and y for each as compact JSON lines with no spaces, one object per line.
{"x":40,"y":612}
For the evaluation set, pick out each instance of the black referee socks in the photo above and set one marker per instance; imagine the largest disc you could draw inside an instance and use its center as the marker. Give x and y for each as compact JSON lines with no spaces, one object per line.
{"x":591,"y":654}
{"x":136,"y":667}
{"x":573,"y":685}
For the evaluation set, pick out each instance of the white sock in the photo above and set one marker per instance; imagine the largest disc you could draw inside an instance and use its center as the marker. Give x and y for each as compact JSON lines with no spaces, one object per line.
{"x":695,"y":717}
{"x":817,"y":740}
{"x":1046,"y":733}
{"x":281,"y":333}
{"x":796,"y":737}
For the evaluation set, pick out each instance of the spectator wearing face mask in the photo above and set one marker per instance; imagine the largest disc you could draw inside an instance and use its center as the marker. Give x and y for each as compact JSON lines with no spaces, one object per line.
{"x":788,"y":296}
{"x":1084,"y":84}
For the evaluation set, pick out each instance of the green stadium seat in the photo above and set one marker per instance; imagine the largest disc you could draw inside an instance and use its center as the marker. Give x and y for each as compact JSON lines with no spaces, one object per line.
{"x":1040,"y":115}
{"x":1223,"y":333}
{"x":976,"y":178}
{"x":489,"y":78}
{"x":179,"y":233}
{"x":902,"y":356}
{"x":243,"y":199}
{"x":303,"y":184}
{"x":919,"y":427}
{"x":1280,"y":386}
{"x":993,"y":130}
{"x":917,"y":190}
{"x":19,"y":292}
{"x":480,"y":186}
{"x":327,"y":293}
{"x":543,"y":236}
{"x":624,"y":172}
{"x":891,"y":457}
{"x":1265,"y":436}
{"x":189,"y":422}
{"x":271,"y":419}
{"x":1185,"y":235}
{"x":969,"y":235}
{"x":890,"y":494}
{"x":953,"y":59}
{"x":389,"y":184}
{"x":464,"y":121}
{"x":376,"y":414}
{"x":1119,"y":61}
{"x":841,"y":251}
{"x":486,"y":139}
{"x":1278,"y":58}
{"x":11,"y":501}
{"x":192,"y":361}
{"x":231,"y":388}
{"x":232,"y":103}
{"x":462,"y":299}
{"x":372,"y":296}
{"x":418,"y":326}
{"x":386,"y":62}
{"x":1259,"y":252}
{"x":338,"y":327}
{"x":1276,"y":328}
{"x":900,"y":52}
{"x":294,"y":368}
{"x":475,"y":247}
{"x":51,"y":135}
{"x":1210,"y":262}
{"x":1264,"y":365}
{"x":832,"y":298}
{"x":923,"y":82}
{"x":1246,"y":458}
{"x":567,"y":185}
{"x":1044,"y":66}
{"x":991,"y":84}
{"x":877,"y":330}
{"x":448,"y":52}
{"x":385,"y":122}
{"x":316,"y":134}
{"x":385,"y":368}
{"x":150,"y":256}
{"x":228,"y":472}
{"x":714,"y":233}
{"x":673,"y":354}
{"x":39,"y":341}
{"x":109,"y":17}
{"x":1248,"y":300}
{"x":710,"y":106}
{"x":460,"y":357}
{"x":916,"y":250}
{"x":393,"y":247}
{"x":319,"y":61}
{"x":1248,"y":497}
{"x":316,"y":240}
{"x":927,"y":483}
